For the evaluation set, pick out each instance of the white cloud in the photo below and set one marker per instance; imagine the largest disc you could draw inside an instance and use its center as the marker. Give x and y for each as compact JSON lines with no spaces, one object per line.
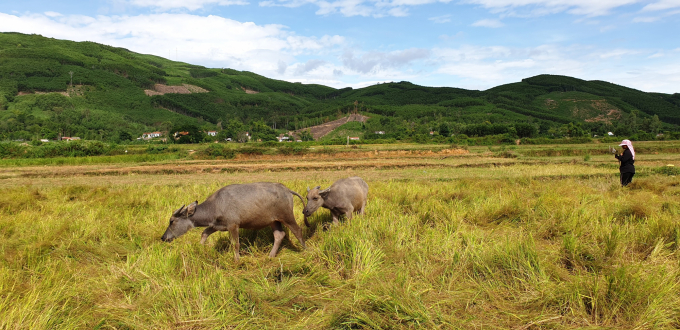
{"x":441,"y":19}
{"x":485,"y":67}
{"x":646,"y":19}
{"x":311,"y":65}
{"x":618,"y":53}
{"x":398,"y":12}
{"x":542,"y":7}
{"x":281,"y":67}
{"x":378,"y":62}
{"x":52,"y":14}
{"x":446,"y":37}
{"x":187,"y":4}
{"x":607,"y":28}
{"x":662,"y":5}
{"x":520,"y":8}
{"x":207,"y":40}
{"x":490,"y":23}
{"x":366,"y":8}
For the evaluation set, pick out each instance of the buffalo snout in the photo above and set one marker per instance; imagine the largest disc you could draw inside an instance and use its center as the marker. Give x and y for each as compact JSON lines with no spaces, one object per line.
{"x":166,"y":238}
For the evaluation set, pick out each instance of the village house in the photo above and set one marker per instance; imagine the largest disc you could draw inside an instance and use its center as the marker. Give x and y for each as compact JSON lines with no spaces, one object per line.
{"x":147,"y":136}
{"x":67,"y":138}
{"x":211,"y":133}
{"x":177,"y":135}
{"x":354,"y":138}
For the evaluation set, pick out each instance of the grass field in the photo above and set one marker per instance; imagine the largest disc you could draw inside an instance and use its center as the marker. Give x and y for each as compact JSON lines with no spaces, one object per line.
{"x":490,"y":238}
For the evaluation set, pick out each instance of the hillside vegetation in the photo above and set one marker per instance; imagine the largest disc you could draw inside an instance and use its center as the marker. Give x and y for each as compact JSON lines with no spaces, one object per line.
{"x":51,"y":88}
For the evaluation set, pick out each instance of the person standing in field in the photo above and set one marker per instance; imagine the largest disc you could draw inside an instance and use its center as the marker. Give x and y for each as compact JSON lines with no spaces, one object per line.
{"x":627,"y":159}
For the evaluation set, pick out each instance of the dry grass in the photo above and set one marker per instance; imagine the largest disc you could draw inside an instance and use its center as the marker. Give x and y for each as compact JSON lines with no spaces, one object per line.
{"x":461,"y":242}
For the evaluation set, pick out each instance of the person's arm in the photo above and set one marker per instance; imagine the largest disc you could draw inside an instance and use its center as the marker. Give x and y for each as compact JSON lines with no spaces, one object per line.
{"x":626,"y":156}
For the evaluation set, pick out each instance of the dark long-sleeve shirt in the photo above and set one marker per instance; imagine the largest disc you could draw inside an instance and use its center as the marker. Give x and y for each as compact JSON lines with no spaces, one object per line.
{"x":627,"y":162}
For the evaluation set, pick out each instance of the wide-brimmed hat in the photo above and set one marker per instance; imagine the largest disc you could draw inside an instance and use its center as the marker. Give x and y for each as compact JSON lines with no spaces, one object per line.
{"x":629,"y":145}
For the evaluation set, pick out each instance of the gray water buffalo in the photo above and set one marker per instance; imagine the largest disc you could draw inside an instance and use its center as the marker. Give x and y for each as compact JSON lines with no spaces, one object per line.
{"x":343,"y":197}
{"x":250,"y":206}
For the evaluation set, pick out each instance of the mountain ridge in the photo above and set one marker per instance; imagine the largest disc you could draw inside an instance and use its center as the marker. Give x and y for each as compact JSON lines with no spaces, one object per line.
{"x":103,"y":95}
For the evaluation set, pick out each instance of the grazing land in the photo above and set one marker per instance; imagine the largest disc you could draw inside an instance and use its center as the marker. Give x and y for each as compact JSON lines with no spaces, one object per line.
{"x":520,"y":237}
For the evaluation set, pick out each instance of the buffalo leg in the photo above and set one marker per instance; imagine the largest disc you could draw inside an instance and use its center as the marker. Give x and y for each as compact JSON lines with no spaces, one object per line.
{"x":348,"y":213}
{"x":234,"y":242}
{"x":207,"y":232}
{"x":336,"y":215}
{"x":279,"y":234}
{"x":362,"y":209}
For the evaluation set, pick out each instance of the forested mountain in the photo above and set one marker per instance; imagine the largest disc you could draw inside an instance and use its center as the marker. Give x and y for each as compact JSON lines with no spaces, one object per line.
{"x":51,"y":88}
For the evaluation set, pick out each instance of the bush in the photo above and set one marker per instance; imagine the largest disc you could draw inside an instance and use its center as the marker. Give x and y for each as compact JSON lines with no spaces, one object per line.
{"x":56,"y":149}
{"x":12,"y":150}
{"x":156,"y":149}
{"x":667,"y":170}
{"x":252,"y":150}
{"x":217,"y":150}
{"x":292,"y":150}
{"x":543,"y":140}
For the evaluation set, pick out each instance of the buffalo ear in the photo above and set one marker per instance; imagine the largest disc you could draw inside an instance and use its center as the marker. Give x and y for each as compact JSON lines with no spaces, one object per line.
{"x":191,"y":209}
{"x":319,"y":187}
{"x":178,"y":212}
{"x":307,"y":188}
{"x":324,"y":193}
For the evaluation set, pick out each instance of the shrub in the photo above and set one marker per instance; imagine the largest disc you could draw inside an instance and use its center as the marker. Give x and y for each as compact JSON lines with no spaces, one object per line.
{"x":252,"y":150}
{"x":667,"y":170}
{"x":292,"y":150}
{"x":217,"y":150}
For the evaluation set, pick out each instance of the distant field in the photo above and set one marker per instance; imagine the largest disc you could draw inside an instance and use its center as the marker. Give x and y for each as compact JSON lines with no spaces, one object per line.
{"x":513,"y":237}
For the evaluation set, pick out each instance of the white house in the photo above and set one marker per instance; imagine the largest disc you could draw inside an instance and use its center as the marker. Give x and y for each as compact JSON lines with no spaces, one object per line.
{"x":147,"y":136}
{"x":212,"y":133}
{"x":354,"y":138}
{"x":380,"y":132}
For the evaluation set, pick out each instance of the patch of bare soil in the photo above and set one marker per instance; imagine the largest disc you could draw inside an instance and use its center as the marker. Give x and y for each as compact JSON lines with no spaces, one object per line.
{"x":249,"y":91}
{"x":77,"y":90}
{"x":550,"y":103}
{"x":41,"y":93}
{"x":596,"y":111}
{"x":322,"y":130}
{"x":607,"y":112}
{"x":160,"y":89}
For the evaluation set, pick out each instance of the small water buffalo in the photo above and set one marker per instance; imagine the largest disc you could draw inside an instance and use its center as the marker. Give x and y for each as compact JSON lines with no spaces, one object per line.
{"x":250,"y":206}
{"x":343,"y":197}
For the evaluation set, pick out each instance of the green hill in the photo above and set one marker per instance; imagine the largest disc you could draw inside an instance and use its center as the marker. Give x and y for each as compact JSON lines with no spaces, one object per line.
{"x":51,"y":88}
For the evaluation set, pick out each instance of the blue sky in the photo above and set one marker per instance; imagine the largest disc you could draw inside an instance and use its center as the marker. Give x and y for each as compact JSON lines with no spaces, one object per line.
{"x":473,"y":44}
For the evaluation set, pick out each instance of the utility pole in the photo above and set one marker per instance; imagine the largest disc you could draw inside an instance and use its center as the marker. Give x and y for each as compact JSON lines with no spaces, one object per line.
{"x":71,"y":74}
